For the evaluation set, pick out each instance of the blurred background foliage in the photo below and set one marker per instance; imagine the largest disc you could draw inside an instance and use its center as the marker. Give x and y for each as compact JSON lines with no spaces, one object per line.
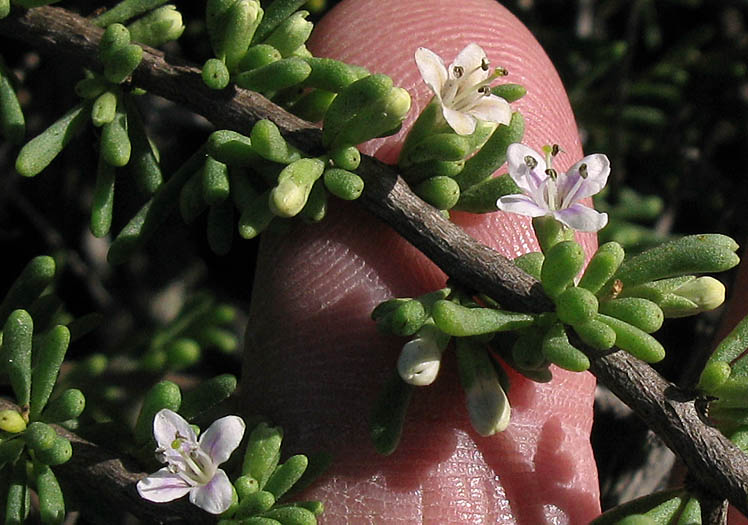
{"x":660,"y":86}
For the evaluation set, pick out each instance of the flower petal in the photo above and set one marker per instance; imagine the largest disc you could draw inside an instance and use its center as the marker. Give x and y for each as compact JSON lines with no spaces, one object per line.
{"x":214,"y":497}
{"x":461,"y":123}
{"x":432,"y":69}
{"x":522,"y":205}
{"x":470,"y":59}
{"x":528,"y":180}
{"x":598,"y":169}
{"x":222,"y":438}
{"x":582,"y":218}
{"x":492,"y":109}
{"x":167,"y":424}
{"x":162,"y":486}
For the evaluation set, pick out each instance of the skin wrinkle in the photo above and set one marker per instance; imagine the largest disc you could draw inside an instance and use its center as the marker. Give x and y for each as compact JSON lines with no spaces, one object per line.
{"x":322,"y":397}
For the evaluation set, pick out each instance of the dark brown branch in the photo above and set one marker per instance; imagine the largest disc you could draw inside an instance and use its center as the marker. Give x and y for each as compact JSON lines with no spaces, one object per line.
{"x":716,"y":464}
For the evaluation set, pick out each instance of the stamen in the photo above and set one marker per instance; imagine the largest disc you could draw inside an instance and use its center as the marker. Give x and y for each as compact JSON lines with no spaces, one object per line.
{"x":531,"y":162}
{"x":555,"y":149}
{"x":553,"y":174}
{"x":484,"y":64}
{"x":485,"y":91}
{"x":458,"y":71}
{"x":501,"y":72}
{"x":583,"y":171}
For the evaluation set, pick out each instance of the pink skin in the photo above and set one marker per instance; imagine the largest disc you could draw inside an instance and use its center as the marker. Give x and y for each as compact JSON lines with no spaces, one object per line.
{"x":315,"y":362}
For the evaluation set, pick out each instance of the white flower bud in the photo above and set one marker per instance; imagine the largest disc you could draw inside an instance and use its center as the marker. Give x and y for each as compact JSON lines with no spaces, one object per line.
{"x":488,"y":406}
{"x":419,"y":361}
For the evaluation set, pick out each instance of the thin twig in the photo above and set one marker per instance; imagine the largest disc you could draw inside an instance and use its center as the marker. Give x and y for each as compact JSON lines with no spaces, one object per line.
{"x":713,"y":461}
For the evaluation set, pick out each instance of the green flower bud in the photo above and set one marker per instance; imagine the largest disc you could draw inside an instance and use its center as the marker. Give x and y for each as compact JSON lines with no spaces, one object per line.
{"x":16,"y":354}
{"x":256,"y":217}
{"x":262,"y":452}
{"x":255,"y":503}
{"x":116,"y":36}
{"x":714,"y":375}
{"x":60,"y":452}
{"x":12,"y":121}
{"x":40,"y":436}
{"x":440,"y":192}
{"x":114,"y":141}
{"x":576,"y":305}
{"x":315,"y":208}
{"x":439,"y":146}
{"x":635,"y":341}
{"x":231,"y":148}
{"x":381,"y":117}
{"x":602,"y":266}
{"x":104,"y":108}
{"x":293,"y":515}
{"x":207,"y":395}
{"x":246,"y":485}
{"x":122,"y":62}
{"x":91,"y":87}
{"x":482,"y":197}
{"x":557,"y":349}
{"x":4,"y":8}
{"x":487,"y":404}
{"x":331,"y":75}
{"x":182,"y":353}
{"x":291,"y":33}
{"x":550,"y":232}
{"x":215,"y":181}
{"x":562,"y":263}
{"x":530,"y":263}
{"x":11,"y":421}
{"x":144,"y":157}
{"x":157,"y":27}
{"x":268,"y":142}
{"x":51,"y":500}
{"x":351,"y":101}
{"x":461,"y":321}
{"x":68,"y":405}
{"x":704,"y":253}
{"x":642,"y":313}
{"x":509,"y":92}
{"x":294,"y":185}
{"x":278,"y":75}
{"x":596,"y":334}
{"x":431,"y":168}
{"x":286,"y":475}
{"x":215,"y":74}
{"x":697,"y":295}
{"x":347,"y":158}
{"x":492,"y":156}
{"x":42,"y":149}
{"x":238,"y":28}
{"x":161,"y":395}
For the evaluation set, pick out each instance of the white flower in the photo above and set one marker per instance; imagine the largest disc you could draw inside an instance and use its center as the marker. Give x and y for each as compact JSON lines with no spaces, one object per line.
{"x":192,"y":464}
{"x":546,"y":192}
{"x":464,"y":91}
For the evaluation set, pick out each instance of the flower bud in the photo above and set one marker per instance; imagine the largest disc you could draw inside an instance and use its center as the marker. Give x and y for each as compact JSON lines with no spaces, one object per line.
{"x":11,"y":421}
{"x":420,"y":357}
{"x":158,"y":27}
{"x":695,"y":296}
{"x":291,"y":33}
{"x":486,"y":400}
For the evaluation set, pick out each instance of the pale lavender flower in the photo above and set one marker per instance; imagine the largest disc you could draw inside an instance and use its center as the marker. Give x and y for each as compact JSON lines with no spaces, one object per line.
{"x":547,"y":192}
{"x":464,"y":90}
{"x":192,"y":464}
